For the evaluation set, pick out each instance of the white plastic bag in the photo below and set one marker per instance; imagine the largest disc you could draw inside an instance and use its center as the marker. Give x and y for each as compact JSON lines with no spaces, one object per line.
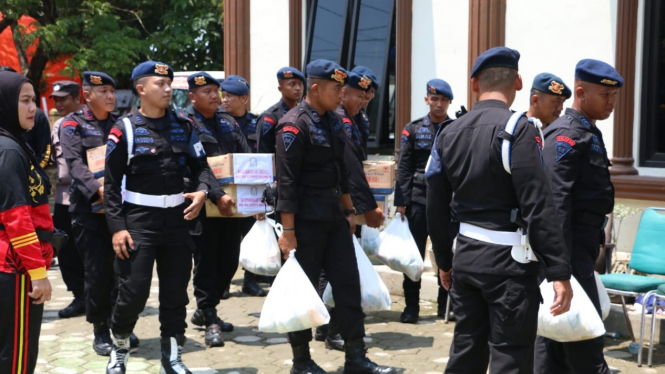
{"x":370,"y":239}
{"x":259,"y":251}
{"x":399,"y":251}
{"x":605,"y":303}
{"x":292,"y":303}
{"x":374,"y":295}
{"x":581,"y":322}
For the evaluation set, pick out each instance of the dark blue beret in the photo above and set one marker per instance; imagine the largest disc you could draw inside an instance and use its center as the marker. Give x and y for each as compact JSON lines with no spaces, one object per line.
{"x":152,"y":68}
{"x":439,"y":87}
{"x":289,"y":73}
{"x":324,"y":69}
{"x":497,"y":57}
{"x":236,"y":85}
{"x":598,"y":72}
{"x":360,"y":82}
{"x":369,"y":73}
{"x":201,"y":79}
{"x":551,"y":84}
{"x":96,"y":78}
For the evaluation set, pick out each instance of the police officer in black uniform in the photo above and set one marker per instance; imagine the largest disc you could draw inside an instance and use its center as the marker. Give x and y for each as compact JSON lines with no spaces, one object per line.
{"x":152,"y":148}
{"x":576,"y":165}
{"x":495,"y":290}
{"x":361,"y":195}
{"x":217,"y":239}
{"x":317,"y":213}
{"x":411,"y":189}
{"x":548,"y":93}
{"x":235,"y":91}
{"x":361,"y":118}
{"x":353,"y":94}
{"x":84,"y":131}
{"x":292,"y":85}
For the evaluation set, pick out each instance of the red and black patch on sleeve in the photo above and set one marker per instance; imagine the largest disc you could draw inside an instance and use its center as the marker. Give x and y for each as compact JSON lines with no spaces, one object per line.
{"x":565,"y":139}
{"x":269,"y":120}
{"x":291,"y":129}
{"x":346,"y":120}
{"x":539,"y":141}
{"x":69,"y":124}
{"x":405,"y":133}
{"x":115,"y":135}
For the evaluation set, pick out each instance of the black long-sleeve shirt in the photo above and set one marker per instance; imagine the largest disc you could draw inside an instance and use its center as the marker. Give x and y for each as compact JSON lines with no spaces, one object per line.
{"x":485,"y":194}
{"x":311,"y":171}
{"x":265,"y":129}
{"x":219,"y":135}
{"x":354,"y":155}
{"x":79,"y":132}
{"x":163,"y":148}
{"x":576,"y":165}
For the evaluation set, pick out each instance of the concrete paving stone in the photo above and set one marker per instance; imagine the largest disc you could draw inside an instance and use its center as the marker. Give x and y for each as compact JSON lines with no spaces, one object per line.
{"x":420,"y":348}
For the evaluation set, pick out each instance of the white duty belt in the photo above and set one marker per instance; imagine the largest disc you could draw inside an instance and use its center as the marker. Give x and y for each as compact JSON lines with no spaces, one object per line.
{"x":521,"y":251}
{"x":155,"y":201}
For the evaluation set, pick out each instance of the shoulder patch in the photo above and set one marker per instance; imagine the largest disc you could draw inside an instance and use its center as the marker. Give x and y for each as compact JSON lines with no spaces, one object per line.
{"x":405,"y":133}
{"x":69,"y":123}
{"x":562,"y":148}
{"x":291,"y":129}
{"x":539,"y":141}
{"x":346,"y":120}
{"x":269,"y":120}
{"x":288,"y":139}
{"x":117,"y":132}
{"x":565,"y":139}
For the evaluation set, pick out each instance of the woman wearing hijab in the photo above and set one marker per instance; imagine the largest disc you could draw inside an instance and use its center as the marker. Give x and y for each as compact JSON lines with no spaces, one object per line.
{"x":24,"y":214}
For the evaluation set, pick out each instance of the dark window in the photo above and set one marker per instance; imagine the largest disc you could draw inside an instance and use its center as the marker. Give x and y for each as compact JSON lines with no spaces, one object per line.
{"x":327,"y":23}
{"x":652,"y":129}
{"x":359,"y":32}
{"x":373,"y":39}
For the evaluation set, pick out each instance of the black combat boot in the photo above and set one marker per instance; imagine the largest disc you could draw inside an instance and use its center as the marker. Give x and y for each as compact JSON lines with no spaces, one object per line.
{"x":213,"y":329}
{"x":250,"y":287}
{"x":198,"y":319}
{"x":302,"y":361}
{"x":356,"y":361}
{"x":134,"y":342}
{"x":321,"y":333}
{"x":74,"y":309}
{"x":119,"y":355}
{"x":334,"y":340}
{"x":171,"y":355}
{"x":412,"y":310}
{"x":102,"y":344}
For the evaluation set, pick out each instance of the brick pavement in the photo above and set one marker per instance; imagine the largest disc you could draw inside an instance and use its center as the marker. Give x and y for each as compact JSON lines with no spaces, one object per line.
{"x":65,"y":344}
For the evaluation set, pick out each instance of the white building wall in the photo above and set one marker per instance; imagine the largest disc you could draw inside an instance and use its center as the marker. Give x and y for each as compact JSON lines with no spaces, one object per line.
{"x":269,"y":50}
{"x":440,"y":47}
{"x":552,"y":36}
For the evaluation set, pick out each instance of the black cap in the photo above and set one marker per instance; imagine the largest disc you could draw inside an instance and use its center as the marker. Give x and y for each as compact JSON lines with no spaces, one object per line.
{"x":65,"y":88}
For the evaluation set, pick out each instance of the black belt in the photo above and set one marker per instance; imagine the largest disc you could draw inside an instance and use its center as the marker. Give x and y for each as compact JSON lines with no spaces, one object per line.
{"x":590,"y":218}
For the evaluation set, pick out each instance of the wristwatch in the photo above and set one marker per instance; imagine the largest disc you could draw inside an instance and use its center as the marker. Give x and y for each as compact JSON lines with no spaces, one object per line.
{"x":349,"y":211}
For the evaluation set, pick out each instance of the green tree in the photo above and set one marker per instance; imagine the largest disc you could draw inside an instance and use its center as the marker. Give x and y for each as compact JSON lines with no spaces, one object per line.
{"x":113,"y":36}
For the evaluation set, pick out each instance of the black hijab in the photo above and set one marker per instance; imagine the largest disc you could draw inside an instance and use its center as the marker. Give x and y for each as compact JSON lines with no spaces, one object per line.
{"x":10,"y":88}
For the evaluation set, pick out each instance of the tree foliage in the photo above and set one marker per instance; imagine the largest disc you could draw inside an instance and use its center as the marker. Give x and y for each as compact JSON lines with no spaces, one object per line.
{"x":115,"y":35}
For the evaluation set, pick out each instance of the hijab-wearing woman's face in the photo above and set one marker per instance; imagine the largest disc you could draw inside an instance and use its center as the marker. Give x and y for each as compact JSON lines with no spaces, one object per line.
{"x":26,"y":106}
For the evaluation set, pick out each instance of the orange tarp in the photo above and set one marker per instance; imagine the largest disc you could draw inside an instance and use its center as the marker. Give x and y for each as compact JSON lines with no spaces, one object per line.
{"x":9,"y":57}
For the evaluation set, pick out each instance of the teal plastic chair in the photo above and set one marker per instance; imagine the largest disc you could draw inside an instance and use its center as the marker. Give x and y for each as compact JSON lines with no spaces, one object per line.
{"x":658,"y":294}
{"x":648,"y":257}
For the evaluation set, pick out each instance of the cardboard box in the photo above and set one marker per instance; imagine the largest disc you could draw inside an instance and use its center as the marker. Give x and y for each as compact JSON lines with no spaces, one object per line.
{"x":96,"y":163}
{"x":247,"y":198}
{"x":243,"y":168}
{"x":383,"y":203}
{"x":380,"y":176}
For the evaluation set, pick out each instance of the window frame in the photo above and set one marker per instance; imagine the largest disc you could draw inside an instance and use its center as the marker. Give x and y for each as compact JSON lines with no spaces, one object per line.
{"x":653,"y":24}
